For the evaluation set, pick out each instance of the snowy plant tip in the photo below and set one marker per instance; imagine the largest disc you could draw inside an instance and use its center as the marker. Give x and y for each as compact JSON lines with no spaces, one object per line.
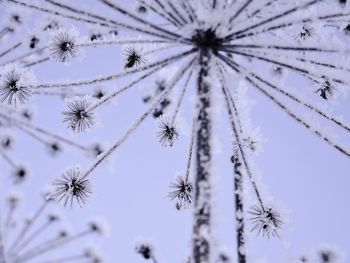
{"x":79,"y":117}
{"x":64,"y":45}
{"x":182,"y":192}
{"x":15,"y":84}
{"x":265,"y":221}
{"x":99,"y":225}
{"x":167,"y":133}
{"x":72,"y":188}
{"x":145,"y":249}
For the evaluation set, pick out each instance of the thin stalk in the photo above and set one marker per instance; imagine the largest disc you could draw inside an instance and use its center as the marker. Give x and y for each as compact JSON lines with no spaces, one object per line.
{"x":49,"y":246}
{"x":7,"y":158}
{"x":34,"y":235}
{"x":27,"y":125}
{"x":10,"y":49}
{"x":237,"y":131}
{"x":142,"y":21}
{"x":163,"y":15}
{"x":181,"y":97}
{"x":28,"y":225}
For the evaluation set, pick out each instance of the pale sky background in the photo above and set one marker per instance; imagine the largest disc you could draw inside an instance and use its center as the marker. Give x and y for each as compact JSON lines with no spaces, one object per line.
{"x":305,"y":176}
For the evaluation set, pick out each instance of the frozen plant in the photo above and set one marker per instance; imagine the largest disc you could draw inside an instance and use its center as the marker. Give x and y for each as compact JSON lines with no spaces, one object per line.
{"x":210,"y":42}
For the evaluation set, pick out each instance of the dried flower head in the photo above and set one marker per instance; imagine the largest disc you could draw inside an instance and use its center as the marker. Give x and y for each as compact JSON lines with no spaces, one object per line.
{"x":326,"y":90}
{"x":98,"y":225}
{"x":63,"y":46}
{"x":145,"y":250}
{"x":53,"y":217}
{"x":14,"y":87}
{"x":33,"y":42}
{"x":20,"y":174}
{"x":141,"y":9}
{"x":265,"y":221}
{"x":99,"y":93}
{"x":26,"y":114}
{"x":167,"y":133}
{"x":6,"y":142}
{"x":327,"y":255}
{"x":182,"y":192}
{"x":96,"y":149}
{"x":93,"y":255}
{"x":305,"y":33}
{"x":13,"y":200}
{"x":71,"y":187}
{"x":133,"y":57}
{"x":79,"y":117}
{"x":54,"y":148}
{"x":223,"y":258}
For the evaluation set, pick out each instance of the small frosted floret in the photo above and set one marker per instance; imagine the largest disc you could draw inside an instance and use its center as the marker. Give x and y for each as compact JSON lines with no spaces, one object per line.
{"x":54,"y":148}
{"x":223,"y":258}
{"x":6,"y":142}
{"x":182,"y":191}
{"x":15,"y":85}
{"x":78,"y":116}
{"x":133,"y":58}
{"x":33,"y":42}
{"x":265,"y":221}
{"x":141,"y":9}
{"x":145,"y":250}
{"x":98,"y":225}
{"x":63,"y":46}
{"x":326,"y":255}
{"x":72,"y":187}
{"x":13,"y":200}
{"x":305,"y":33}
{"x":167,"y":133}
{"x":20,"y":174}
{"x":326,"y":90}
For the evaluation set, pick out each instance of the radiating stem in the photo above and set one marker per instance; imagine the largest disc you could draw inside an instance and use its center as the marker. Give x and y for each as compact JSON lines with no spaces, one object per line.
{"x":239,"y":210}
{"x":202,"y":205}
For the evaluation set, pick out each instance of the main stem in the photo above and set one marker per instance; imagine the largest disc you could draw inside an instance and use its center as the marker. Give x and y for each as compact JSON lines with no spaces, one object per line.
{"x":202,"y":209}
{"x":238,"y":187}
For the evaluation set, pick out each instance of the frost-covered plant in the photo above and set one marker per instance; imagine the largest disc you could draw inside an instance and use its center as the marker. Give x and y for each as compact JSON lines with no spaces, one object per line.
{"x":211,"y":42}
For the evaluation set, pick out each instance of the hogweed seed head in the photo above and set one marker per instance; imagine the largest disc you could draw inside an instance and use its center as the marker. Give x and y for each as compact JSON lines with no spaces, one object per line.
{"x":6,"y":142}
{"x":326,"y":90}
{"x":54,"y":148}
{"x":182,"y":191}
{"x":71,"y":187}
{"x":145,"y":250}
{"x":265,"y":221}
{"x":78,"y":116}
{"x":15,"y":85}
{"x":20,"y":174}
{"x":167,"y":133}
{"x":64,"y":46}
{"x":305,"y":33}
{"x":133,"y":58}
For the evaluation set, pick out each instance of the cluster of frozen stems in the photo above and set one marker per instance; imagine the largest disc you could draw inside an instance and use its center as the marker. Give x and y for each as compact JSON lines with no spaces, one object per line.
{"x":214,"y":39}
